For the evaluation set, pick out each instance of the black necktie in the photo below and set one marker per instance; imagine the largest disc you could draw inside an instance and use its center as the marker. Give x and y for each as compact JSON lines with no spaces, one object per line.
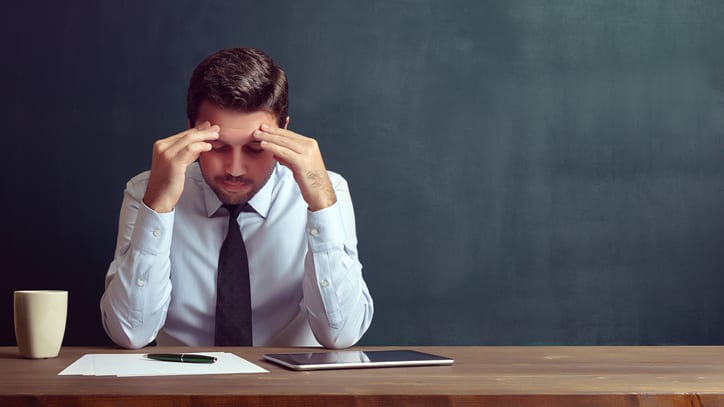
{"x":233,"y":295}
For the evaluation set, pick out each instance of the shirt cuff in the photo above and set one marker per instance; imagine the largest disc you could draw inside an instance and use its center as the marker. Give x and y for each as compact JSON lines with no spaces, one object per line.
{"x":152,"y":231}
{"x":325,"y":228}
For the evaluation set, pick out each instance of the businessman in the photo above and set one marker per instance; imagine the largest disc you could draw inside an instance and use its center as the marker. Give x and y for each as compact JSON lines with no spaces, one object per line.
{"x":238,"y":235}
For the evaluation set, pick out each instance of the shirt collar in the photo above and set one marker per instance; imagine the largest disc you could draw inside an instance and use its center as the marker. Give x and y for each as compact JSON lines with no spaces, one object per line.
{"x":260,"y":202}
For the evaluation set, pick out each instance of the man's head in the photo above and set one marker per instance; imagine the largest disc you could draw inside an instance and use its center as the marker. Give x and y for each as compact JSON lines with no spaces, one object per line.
{"x":241,"y":79}
{"x":239,"y":90}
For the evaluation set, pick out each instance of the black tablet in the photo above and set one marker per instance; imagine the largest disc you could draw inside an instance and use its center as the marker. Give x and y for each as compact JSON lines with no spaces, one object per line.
{"x":348,"y":359}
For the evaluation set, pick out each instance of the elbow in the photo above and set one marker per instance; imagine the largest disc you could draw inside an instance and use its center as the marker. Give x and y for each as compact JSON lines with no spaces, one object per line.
{"x":128,"y":342}
{"x":123,"y":336}
{"x":346,"y":334}
{"x":340,"y":342}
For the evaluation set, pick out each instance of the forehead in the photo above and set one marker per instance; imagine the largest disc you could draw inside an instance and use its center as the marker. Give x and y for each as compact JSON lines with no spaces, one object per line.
{"x":233,"y":124}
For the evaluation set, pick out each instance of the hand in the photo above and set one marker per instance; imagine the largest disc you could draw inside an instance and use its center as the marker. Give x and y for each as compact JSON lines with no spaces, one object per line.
{"x":301,"y":154}
{"x":170,"y":158}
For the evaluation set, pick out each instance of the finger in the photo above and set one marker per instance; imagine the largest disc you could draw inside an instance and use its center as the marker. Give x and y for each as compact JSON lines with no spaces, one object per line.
{"x":291,"y":141}
{"x":201,"y":127}
{"x":192,"y":151}
{"x":163,"y":144}
{"x":281,"y":131}
{"x":282,"y":154}
{"x":211,"y":133}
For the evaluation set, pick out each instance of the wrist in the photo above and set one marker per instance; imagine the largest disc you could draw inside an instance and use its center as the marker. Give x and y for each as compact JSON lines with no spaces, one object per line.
{"x":157,"y":205}
{"x":323,"y":201}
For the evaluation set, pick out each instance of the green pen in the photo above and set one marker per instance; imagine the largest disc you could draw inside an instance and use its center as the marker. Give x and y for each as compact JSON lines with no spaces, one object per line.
{"x":181,"y":357}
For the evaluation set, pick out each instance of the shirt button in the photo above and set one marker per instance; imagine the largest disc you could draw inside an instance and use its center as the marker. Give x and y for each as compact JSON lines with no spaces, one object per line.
{"x":325,"y":283}
{"x":314,"y":231}
{"x":156,"y":232}
{"x":140,"y":282}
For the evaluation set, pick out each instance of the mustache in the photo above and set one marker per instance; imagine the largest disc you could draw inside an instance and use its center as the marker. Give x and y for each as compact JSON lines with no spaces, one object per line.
{"x":236,"y":180}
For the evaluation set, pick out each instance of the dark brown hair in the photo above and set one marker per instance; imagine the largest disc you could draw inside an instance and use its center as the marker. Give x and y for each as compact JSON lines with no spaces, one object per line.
{"x":243,"y":79}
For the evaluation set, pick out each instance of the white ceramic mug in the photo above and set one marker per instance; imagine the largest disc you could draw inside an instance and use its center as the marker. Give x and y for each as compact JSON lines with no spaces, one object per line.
{"x":40,"y":322}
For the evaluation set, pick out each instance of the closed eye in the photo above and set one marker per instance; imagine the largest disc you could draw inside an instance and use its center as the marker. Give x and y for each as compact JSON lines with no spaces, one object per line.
{"x":254,"y":147}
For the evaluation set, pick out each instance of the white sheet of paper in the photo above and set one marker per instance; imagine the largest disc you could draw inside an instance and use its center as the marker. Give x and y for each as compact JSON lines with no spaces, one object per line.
{"x":125,"y":365}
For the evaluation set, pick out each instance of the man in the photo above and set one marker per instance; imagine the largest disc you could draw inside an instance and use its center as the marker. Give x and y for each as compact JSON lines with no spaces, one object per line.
{"x":237,"y":162}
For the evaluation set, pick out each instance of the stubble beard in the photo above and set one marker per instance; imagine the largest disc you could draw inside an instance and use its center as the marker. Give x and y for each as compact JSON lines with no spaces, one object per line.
{"x":232,"y":198}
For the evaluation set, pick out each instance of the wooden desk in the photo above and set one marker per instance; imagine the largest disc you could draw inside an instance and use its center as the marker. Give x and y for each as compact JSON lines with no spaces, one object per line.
{"x":520,"y":376}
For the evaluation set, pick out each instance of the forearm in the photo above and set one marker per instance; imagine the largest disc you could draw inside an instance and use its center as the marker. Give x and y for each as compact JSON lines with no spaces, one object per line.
{"x":138,"y":287}
{"x":133,"y":306}
{"x":339,"y":306}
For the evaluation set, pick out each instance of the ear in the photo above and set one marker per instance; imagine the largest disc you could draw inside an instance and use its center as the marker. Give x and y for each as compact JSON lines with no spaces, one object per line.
{"x":286,"y":123}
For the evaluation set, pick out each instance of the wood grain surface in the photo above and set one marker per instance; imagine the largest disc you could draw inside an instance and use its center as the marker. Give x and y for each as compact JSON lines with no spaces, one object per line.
{"x":500,"y":376}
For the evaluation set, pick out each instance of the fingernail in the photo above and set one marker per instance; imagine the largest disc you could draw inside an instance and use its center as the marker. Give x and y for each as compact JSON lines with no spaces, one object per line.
{"x":265,"y":126}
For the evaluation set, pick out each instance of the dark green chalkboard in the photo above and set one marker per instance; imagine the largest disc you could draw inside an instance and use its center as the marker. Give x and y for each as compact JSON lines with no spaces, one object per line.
{"x":524,"y":172}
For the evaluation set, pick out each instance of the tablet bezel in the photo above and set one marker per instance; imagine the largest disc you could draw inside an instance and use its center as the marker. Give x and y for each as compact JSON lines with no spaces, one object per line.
{"x":420,"y":359}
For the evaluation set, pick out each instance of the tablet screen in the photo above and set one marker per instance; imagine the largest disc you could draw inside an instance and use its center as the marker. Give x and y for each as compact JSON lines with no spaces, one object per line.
{"x":356,"y":359}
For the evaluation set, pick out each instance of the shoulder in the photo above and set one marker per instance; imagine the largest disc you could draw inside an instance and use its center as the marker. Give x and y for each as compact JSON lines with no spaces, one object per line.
{"x":140,"y":181}
{"x":141,"y":178}
{"x":338,"y":181}
{"x":136,"y":186}
{"x":335,"y":177}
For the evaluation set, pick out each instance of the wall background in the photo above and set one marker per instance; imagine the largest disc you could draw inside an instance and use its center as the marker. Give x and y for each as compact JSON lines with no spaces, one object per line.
{"x":524,"y":172}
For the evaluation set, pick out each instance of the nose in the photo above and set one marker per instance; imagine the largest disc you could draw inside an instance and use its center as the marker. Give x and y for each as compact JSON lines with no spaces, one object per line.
{"x":235,"y":165}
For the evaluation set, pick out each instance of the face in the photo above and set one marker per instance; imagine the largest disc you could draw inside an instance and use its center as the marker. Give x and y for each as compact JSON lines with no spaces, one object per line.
{"x":236,"y":167}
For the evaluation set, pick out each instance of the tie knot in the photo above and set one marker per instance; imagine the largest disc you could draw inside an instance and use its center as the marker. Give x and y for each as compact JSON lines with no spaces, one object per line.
{"x":235,"y":210}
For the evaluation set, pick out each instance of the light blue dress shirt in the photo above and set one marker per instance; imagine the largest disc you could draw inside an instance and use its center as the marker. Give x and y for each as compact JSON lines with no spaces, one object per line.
{"x":306,"y":280}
